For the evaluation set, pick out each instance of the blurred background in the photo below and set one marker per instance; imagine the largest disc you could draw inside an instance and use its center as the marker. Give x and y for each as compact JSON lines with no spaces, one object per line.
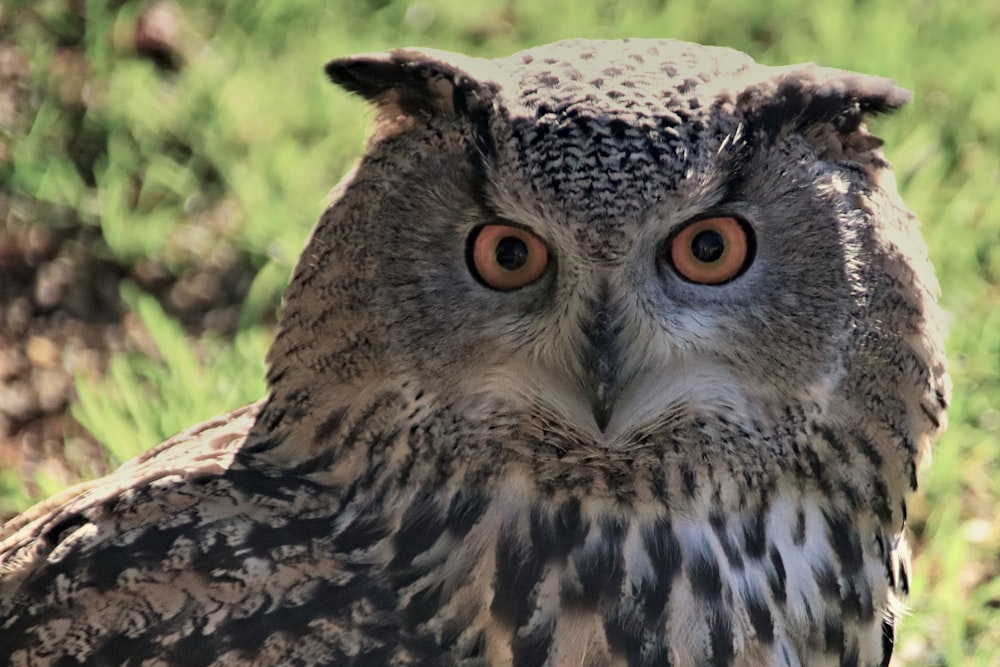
{"x":161,"y":164}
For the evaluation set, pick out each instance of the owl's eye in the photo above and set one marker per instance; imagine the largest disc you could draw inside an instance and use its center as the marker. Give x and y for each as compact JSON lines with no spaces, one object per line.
{"x":711,"y":251}
{"x":506,"y":258}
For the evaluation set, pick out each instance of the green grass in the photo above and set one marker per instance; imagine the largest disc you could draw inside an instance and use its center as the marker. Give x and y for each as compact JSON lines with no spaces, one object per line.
{"x":248,"y":126}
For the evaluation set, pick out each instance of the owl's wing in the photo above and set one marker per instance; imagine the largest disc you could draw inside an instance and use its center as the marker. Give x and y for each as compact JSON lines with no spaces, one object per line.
{"x":185,"y":557}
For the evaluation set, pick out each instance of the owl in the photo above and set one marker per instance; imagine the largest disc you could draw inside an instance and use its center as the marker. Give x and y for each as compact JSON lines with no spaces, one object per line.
{"x":605,"y":353}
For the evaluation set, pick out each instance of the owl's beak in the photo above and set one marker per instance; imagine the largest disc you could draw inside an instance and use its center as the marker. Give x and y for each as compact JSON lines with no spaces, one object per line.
{"x":602,"y":407}
{"x":602,"y":359}
{"x":605,"y":386}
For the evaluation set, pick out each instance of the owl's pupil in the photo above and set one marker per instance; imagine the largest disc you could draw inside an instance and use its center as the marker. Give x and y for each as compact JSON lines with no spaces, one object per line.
{"x":708,"y":246}
{"x":512,"y":253}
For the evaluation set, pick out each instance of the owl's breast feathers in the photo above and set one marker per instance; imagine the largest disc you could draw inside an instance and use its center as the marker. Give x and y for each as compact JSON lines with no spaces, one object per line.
{"x":190,"y":556}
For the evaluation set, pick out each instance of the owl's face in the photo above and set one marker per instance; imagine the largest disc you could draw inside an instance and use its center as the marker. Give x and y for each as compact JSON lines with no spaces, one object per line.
{"x":599,"y":244}
{"x":600,"y":265}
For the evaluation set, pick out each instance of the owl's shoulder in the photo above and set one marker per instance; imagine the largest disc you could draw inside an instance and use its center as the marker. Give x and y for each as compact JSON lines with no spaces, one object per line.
{"x":182,"y":550}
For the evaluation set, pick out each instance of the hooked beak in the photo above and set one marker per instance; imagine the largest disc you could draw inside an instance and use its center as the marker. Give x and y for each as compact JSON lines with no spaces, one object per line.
{"x":602,"y":358}
{"x":602,"y":406}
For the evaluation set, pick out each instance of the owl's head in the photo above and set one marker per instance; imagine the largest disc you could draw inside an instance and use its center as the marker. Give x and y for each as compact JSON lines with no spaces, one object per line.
{"x":597,"y":239}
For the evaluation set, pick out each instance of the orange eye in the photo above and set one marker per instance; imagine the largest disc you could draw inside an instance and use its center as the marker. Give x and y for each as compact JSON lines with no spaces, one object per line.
{"x":506,"y":258}
{"x":711,"y":251}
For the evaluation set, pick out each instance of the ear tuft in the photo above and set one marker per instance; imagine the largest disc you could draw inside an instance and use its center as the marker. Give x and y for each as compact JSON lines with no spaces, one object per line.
{"x":414,"y":82}
{"x":822,"y":104}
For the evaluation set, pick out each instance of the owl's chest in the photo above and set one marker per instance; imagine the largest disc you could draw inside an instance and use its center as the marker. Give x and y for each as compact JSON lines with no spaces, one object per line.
{"x":563,"y":583}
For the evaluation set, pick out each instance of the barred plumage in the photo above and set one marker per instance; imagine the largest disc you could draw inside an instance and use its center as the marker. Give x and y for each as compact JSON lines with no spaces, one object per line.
{"x":591,"y":443}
